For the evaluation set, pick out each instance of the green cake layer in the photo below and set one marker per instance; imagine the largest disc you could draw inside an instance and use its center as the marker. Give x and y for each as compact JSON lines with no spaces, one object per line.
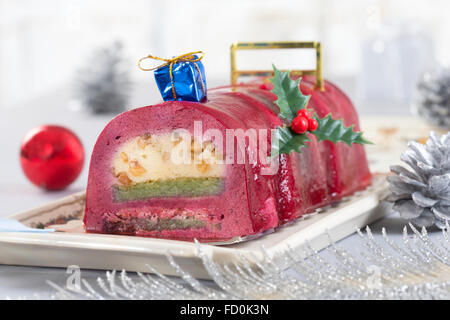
{"x":180,"y":187}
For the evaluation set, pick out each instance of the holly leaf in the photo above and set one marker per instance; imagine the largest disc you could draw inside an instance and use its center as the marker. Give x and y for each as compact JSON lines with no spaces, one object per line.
{"x":290,"y":98}
{"x":334,"y":130}
{"x":288,"y":141}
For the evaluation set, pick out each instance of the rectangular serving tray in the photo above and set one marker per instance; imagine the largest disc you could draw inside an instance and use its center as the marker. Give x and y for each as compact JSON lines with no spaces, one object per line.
{"x":70,"y":245}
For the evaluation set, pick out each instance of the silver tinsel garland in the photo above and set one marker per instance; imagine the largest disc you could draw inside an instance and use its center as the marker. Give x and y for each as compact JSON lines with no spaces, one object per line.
{"x":418,"y":269}
{"x":103,"y":85}
{"x":433,"y":97}
{"x":423,"y":194}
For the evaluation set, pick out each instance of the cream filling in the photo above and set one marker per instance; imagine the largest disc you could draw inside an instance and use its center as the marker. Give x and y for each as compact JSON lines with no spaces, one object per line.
{"x":166,"y":156}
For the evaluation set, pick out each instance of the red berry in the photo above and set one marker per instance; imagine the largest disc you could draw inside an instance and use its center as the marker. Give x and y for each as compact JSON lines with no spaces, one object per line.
{"x":303,"y":113}
{"x":300,"y":124}
{"x":312,"y":124}
{"x":265,"y":86}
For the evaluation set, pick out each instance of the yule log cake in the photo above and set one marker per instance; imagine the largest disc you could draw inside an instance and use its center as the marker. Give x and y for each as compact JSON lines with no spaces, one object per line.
{"x":136,"y":188}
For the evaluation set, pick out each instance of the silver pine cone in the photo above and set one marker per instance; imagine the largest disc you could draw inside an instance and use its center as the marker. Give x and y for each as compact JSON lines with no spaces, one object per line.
{"x":103,"y":85}
{"x":433,"y":97}
{"x":422,"y":195}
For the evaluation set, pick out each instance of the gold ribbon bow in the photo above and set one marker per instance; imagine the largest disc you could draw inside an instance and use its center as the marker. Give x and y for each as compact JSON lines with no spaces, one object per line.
{"x":187,"y":57}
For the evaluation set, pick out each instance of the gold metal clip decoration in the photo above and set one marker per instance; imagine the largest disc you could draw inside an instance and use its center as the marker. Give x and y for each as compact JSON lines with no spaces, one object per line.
{"x":235,"y":74}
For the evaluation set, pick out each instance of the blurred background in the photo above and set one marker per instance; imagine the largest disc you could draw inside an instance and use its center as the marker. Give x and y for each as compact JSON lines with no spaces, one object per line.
{"x":56,"y":56}
{"x":374,"y":49}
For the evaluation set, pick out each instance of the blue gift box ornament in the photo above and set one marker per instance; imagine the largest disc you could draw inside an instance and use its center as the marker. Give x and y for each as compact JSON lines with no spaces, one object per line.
{"x":181,"y":78}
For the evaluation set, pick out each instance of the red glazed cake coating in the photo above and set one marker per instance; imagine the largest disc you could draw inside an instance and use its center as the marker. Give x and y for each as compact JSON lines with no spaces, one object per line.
{"x":217,"y":203}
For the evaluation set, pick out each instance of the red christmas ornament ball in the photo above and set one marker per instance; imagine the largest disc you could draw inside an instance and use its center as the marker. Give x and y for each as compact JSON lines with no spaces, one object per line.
{"x":51,"y":156}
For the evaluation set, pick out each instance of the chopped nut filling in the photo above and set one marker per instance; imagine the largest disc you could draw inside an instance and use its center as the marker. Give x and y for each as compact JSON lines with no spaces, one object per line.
{"x":136,"y":169}
{"x":152,"y":157}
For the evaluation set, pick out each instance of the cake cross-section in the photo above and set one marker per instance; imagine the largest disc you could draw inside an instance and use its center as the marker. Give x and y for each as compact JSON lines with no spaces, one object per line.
{"x":152,"y":174}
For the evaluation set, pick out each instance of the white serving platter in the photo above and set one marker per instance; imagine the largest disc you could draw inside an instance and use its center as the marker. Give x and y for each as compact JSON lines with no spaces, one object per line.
{"x":71,"y":246}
